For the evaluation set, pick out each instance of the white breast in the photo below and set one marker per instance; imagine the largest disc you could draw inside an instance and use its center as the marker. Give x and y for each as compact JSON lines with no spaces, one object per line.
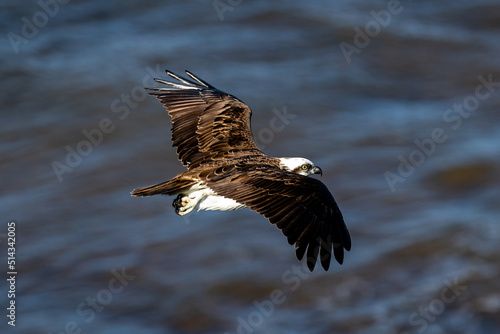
{"x":216,"y":202}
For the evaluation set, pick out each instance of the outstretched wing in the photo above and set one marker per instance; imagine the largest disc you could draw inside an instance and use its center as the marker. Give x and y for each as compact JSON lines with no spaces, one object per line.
{"x":301,"y":207}
{"x":207,"y":124}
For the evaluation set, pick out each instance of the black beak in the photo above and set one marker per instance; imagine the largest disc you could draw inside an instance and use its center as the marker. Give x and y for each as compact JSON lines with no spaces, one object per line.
{"x":317,"y":170}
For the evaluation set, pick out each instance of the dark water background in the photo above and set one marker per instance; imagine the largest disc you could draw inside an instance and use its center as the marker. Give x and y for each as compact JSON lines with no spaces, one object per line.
{"x":425,"y":253}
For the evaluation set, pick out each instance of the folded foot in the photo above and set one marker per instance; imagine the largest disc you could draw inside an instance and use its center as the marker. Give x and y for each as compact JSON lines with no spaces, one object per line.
{"x":183,"y":205}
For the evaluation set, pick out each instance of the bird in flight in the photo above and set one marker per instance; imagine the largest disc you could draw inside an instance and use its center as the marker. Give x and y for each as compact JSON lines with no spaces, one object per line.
{"x":227,"y":171}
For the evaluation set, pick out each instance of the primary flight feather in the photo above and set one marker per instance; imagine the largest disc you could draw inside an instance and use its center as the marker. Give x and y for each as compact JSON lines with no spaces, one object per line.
{"x":227,"y":171}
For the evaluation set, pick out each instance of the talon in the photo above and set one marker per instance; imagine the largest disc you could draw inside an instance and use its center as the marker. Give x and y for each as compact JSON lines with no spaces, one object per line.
{"x":182,"y":205}
{"x":177,"y":203}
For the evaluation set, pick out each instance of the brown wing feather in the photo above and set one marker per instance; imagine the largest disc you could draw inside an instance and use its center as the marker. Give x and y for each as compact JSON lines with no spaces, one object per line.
{"x":207,"y":124}
{"x":301,"y":207}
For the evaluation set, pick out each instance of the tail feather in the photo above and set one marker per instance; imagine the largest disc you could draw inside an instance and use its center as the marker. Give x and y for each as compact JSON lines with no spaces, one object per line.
{"x":171,"y":187}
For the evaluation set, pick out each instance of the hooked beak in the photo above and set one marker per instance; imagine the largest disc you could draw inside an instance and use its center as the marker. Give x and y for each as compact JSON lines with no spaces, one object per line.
{"x":317,"y":170}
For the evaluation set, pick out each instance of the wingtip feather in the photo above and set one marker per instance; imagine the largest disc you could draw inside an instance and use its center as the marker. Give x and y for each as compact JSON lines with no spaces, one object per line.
{"x":200,"y":81}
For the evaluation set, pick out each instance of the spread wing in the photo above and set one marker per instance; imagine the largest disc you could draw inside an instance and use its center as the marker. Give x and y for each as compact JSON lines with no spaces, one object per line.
{"x":301,"y":207}
{"x":207,"y":124}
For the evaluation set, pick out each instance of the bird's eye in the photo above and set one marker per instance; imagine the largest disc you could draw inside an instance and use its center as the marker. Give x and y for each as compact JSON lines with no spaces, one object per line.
{"x":304,"y":167}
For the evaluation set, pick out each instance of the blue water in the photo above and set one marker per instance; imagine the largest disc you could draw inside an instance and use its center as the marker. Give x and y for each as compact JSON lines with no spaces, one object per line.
{"x":424,"y":256}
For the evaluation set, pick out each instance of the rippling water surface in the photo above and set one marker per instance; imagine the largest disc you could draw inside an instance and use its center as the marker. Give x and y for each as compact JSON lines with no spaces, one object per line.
{"x":398,"y":102}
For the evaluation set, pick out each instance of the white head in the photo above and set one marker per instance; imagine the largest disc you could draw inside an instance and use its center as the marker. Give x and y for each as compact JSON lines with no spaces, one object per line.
{"x":300,"y":166}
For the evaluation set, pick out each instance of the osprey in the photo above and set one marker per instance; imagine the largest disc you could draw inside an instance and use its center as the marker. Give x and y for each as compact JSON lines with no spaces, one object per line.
{"x":227,"y":171}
